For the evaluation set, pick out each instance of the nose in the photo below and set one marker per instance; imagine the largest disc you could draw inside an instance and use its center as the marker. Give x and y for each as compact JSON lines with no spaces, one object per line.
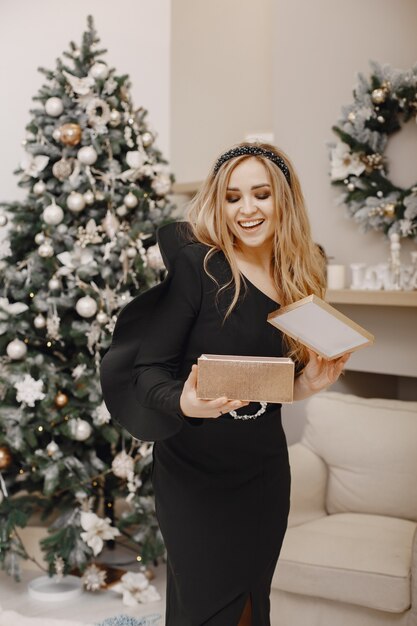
{"x":248,"y":206}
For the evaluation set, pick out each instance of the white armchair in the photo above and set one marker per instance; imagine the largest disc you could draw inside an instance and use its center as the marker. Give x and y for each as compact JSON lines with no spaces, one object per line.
{"x":349,"y":557}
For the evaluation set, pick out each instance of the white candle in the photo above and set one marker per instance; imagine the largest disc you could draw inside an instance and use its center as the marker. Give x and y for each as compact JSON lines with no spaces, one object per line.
{"x":335,"y":277}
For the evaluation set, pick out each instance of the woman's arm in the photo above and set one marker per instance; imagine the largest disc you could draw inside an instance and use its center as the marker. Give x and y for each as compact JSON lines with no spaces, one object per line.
{"x":317,"y":375}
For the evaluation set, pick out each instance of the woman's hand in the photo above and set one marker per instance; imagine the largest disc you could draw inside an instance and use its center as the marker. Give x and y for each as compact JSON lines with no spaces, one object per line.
{"x":192,"y":406}
{"x":318,"y":374}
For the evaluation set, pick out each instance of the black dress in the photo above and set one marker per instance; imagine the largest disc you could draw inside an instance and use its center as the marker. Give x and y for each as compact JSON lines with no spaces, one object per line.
{"x":222,"y":485}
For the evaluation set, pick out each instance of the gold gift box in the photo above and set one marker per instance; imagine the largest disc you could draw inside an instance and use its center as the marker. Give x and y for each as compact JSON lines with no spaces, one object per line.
{"x":248,"y":378}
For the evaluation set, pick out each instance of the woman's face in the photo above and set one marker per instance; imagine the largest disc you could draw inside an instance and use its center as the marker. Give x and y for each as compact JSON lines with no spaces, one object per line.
{"x":249,"y":205}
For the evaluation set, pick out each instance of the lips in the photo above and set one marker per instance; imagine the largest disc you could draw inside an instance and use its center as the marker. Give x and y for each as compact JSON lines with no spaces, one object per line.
{"x":250,"y":224}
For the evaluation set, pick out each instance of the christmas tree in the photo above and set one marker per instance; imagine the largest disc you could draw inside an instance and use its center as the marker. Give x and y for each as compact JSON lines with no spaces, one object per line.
{"x":80,"y":246}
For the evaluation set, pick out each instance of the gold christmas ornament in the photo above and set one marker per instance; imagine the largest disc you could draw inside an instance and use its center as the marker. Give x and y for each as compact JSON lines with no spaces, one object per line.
{"x":147,"y":139}
{"x":6,"y":458}
{"x":70,"y":134}
{"x":389,"y":209}
{"x":378,"y":96}
{"x":61,"y":399}
{"x":149,"y":573}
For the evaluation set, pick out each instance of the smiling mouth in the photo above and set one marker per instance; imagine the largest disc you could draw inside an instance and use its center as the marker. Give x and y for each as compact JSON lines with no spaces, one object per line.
{"x":250,"y":224}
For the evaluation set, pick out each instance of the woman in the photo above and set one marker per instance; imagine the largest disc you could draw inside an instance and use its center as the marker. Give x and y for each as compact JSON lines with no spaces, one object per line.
{"x":220,"y":467}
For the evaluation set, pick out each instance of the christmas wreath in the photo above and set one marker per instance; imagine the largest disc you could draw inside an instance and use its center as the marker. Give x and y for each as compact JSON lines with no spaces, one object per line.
{"x":357,"y":160}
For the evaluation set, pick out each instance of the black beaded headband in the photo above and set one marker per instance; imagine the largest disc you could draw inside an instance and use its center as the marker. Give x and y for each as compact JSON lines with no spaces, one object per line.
{"x":253,"y":150}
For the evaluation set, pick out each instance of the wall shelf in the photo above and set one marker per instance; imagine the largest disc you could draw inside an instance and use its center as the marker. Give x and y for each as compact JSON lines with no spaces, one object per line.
{"x":373,"y":298}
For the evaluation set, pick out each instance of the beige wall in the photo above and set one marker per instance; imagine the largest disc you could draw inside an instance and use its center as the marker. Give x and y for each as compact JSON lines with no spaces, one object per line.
{"x":221,"y":79}
{"x":318,"y":49}
{"x":136,"y":34}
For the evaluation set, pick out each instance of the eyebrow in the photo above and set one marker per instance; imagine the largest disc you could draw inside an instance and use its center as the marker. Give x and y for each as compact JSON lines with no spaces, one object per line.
{"x":254,"y":187}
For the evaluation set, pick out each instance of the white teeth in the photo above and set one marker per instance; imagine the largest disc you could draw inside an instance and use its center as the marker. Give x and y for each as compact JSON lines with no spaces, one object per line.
{"x":249,"y":224}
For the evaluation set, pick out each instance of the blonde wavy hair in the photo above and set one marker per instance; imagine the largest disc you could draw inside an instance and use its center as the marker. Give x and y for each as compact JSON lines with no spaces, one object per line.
{"x":297,"y":263}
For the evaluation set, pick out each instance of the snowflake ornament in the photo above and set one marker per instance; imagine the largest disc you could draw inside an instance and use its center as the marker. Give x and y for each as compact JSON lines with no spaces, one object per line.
{"x":94,"y":578}
{"x":29,"y":390}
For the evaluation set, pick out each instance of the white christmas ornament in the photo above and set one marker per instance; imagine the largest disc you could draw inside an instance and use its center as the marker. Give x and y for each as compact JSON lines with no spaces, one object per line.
{"x":131,"y":252}
{"x":54,"y":106}
{"x":89,"y":197}
{"x":16,"y":349}
{"x":3,"y":220}
{"x":122,"y":465}
{"x":130,"y":200}
{"x":86,"y":306}
{"x":81,"y":86}
{"x":115,"y":118}
{"x":102,"y":317}
{"x":39,"y":321}
{"x":75,"y":201}
{"x":62,"y":228}
{"x":39,"y":188}
{"x":29,"y":390}
{"x":80,"y":429}
{"x":87,"y":155}
{"x":53,"y":214}
{"x":56,"y":134}
{"x":45,"y":250}
{"x":53,"y":449}
{"x":99,"y":71}
{"x":54,"y":284}
{"x":39,"y":238}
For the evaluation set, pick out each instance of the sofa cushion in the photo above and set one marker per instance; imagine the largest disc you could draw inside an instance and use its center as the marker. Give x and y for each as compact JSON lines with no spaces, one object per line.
{"x":349,"y":557}
{"x":369,"y":446}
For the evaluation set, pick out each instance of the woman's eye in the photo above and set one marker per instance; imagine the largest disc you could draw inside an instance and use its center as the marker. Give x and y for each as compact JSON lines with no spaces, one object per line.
{"x":232,"y":199}
{"x":263,"y":196}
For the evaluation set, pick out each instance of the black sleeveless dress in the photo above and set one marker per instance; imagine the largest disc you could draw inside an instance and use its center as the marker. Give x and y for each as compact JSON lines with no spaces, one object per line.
{"x":222,"y":485}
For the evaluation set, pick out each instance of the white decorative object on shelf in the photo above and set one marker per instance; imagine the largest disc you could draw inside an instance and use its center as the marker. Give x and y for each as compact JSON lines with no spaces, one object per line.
{"x":390,"y":276}
{"x":55,"y":589}
{"x":335,"y":276}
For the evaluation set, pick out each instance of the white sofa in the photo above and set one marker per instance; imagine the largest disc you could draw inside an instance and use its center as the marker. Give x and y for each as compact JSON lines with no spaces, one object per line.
{"x":349,"y":557}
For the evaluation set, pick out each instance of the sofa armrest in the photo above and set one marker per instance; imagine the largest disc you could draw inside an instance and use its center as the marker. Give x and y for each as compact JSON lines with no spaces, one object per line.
{"x":308,"y":485}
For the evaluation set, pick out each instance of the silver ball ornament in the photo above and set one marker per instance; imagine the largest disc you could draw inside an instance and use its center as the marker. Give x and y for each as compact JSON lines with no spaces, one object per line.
{"x":45,"y":250}
{"x":131,"y":252}
{"x":53,"y":215}
{"x":380,"y":194}
{"x":62,"y":169}
{"x":39,"y":238}
{"x":39,"y":321}
{"x":130,"y":200}
{"x":351,"y":187}
{"x":99,"y":71}
{"x":86,"y":306}
{"x":115,"y":117}
{"x":80,"y":429}
{"x":62,"y":228}
{"x":54,"y":106}
{"x":39,"y":188}
{"x":102,"y":317}
{"x":75,"y":201}
{"x":16,"y":349}
{"x":3,"y":220}
{"x":87,"y":155}
{"x":380,"y":119}
{"x":54,"y":284}
{"x":89,"y":197}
